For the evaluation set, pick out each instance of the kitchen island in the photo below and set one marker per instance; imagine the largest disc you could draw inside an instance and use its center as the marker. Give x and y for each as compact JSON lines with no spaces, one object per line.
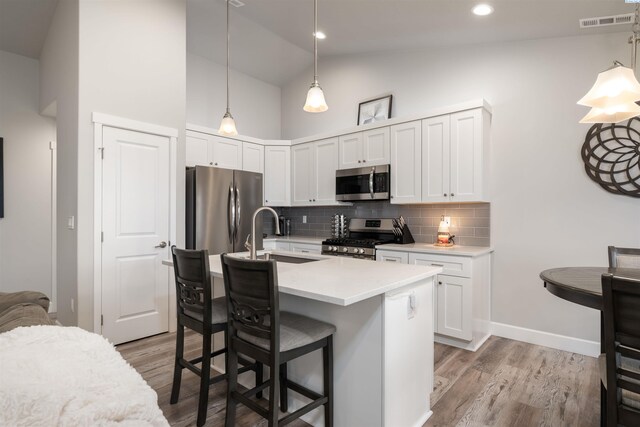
{"x":383,"y":347}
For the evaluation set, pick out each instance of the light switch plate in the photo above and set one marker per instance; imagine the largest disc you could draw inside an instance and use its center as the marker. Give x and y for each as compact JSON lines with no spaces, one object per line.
{"x":304,"y":219}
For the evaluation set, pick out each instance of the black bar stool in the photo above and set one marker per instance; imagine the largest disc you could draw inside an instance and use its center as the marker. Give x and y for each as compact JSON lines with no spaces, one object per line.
{"x":194,"y":305}
{"x":258,"y":329}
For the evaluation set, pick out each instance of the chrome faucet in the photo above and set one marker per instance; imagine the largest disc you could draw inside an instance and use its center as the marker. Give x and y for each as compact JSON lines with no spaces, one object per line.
{"x":252,"y":246}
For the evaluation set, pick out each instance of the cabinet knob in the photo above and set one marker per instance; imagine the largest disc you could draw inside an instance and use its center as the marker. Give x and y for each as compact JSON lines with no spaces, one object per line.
{"x":309,"y":199}
{"x":452,"y":194}
{"x":359,"y":161}
{"x":211,"y":163}
{"x":364,"y":161}
{"x":439,"y":283}
{"x":314,"y":200}
{"x":216,"y":163}
{"x":266,"y":201}
{"x":445,"y":194}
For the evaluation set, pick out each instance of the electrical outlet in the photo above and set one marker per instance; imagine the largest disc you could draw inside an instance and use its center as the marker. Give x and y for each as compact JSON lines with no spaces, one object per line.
{"x":304,"y":219}
{"x":73,"y":305}
{"x":447,"y":219}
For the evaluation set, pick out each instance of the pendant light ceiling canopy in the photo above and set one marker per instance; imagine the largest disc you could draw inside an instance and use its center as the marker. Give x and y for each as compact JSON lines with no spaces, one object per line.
{"x":315,"y":102}
{"x":228,"y":124}
{"x":614,"y":95}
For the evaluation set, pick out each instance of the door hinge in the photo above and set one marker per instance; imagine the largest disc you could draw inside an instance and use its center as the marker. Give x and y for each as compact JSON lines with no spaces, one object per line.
{"x":101,"y":320}
{"x":101,"y":152}
{"x":102,"y":236}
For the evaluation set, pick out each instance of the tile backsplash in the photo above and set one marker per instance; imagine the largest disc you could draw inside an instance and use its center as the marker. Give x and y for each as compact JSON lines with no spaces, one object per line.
{"x":469,"y":221}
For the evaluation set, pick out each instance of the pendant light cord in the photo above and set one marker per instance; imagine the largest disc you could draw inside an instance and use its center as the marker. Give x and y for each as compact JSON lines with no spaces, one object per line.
{"x":228,"y":109}
{"x":315,"y":41}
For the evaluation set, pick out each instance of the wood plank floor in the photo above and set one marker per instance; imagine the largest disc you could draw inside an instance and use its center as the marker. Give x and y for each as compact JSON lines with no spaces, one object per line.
{"x":504,"y":383}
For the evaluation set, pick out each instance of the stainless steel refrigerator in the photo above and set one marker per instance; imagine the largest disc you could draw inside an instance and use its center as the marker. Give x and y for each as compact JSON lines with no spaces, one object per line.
{"x":220,"y":204}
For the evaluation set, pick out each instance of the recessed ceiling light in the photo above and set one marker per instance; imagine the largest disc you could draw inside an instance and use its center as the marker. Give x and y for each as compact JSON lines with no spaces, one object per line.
{"x":482,"y":9}
{"x":320,"y":35}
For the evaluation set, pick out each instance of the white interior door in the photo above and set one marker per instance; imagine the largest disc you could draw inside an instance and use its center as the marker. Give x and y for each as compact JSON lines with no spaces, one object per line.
{"x":135,"y":223}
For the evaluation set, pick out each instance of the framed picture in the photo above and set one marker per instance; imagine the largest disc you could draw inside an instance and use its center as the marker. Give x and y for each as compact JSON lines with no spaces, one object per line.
{"x":1,"y":180}
{"x":374,"y":110}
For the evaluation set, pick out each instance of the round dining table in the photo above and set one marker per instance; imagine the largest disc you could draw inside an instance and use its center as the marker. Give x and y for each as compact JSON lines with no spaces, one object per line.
{"x":583,"y":286}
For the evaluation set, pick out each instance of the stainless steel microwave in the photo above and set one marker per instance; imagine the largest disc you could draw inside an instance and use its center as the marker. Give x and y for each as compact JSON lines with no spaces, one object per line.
{"x":368,"y":183}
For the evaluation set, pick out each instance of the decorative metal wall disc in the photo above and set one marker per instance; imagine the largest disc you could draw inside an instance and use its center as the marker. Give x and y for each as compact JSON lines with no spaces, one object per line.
{"x":611,"y":155}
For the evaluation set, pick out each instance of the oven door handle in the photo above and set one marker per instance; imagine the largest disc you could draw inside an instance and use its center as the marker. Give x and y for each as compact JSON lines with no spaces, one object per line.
{"x":373,"y":171}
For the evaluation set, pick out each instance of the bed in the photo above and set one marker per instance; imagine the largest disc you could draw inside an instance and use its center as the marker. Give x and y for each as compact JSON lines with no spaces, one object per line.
{"x":54,"y":375}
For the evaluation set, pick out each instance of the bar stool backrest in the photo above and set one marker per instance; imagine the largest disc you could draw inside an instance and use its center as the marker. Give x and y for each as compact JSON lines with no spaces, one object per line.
{"x":624,"y":257}
{"x":251,"y":287}
{"x":621,"y":305}
{"x":193,"y":282}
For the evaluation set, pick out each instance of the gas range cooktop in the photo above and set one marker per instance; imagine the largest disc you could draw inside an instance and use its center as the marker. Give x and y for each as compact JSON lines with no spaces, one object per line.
{"x":358,"y":243}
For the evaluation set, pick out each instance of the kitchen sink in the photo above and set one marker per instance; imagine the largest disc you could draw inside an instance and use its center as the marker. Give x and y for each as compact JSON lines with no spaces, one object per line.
{"x":286,"y":258}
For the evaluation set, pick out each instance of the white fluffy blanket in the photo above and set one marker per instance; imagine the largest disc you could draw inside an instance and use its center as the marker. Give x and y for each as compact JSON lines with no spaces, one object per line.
{"x":58,"y":376}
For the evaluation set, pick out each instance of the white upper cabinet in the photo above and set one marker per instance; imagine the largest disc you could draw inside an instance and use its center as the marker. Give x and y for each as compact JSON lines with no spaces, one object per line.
{"x":435,"y":159}
{"x":277,"y":176}
{"x":302,"y":174}
{"x":467,"y":156}
{"x":211,"y":150}
{"x":197,"y":150}
{"x":351,"y":150}
{"x":252,"y":157}
{"x":369,"y":148}
{"x":376,"y":147}
{"x":313,"y":169}
{"x":406,"y":147}
{"x":454,"y":157}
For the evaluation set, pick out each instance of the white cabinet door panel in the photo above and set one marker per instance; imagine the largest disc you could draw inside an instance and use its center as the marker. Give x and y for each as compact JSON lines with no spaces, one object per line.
{"x":277,"y":176}
{"x":325,"y":165}
{"x":301,"y":174}
{"x":376,"y":147}
{"x":252,"y":157}
{"x":306,"y":248}
{"x":454,"y":307}
{"x":406,"y":149}
{"x":435,"y":159}
{"x":227,"y":153}
{"x":351,"y":154}
{"x":466,"y":156}
{"x":197,"y":151}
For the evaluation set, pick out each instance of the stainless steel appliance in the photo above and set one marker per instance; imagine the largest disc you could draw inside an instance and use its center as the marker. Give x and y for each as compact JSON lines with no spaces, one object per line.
{"x":364,"y":235}
{"x":220,"y":203}
{"x":368,"y":183}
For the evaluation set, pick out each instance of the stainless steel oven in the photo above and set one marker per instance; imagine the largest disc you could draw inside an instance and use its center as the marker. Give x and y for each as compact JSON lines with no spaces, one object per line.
{"x":368,"y":183}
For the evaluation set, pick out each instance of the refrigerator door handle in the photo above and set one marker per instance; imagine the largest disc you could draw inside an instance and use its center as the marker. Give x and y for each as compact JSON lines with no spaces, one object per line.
{"x":238,"y":214}
{"x":231,"y":214}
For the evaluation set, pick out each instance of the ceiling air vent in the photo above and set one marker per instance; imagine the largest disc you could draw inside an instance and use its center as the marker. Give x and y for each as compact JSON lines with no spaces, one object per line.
{"x":236,"y":3}
{"x":604,"y":21}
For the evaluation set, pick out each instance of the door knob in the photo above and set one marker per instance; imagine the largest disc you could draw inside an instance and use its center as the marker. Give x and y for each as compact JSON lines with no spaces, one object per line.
{"x":162,"y":245}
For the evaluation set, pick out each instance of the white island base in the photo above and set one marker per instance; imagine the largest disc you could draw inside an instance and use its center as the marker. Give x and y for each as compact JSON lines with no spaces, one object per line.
{"x":383,"y":346}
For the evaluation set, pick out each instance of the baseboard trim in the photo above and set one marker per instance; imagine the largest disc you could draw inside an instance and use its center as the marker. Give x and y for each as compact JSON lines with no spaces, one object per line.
{"x":547,"y":339}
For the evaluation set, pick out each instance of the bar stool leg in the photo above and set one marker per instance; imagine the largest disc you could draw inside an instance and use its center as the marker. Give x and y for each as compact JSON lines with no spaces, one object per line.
{"x":274,"y":390}
{"x":177,"y":369}
{"x":232,"y":386}
{"x":205,"y":372}
{"x":259,"y":377}
{"x":327,"y":359}
{"x":284,"y":402}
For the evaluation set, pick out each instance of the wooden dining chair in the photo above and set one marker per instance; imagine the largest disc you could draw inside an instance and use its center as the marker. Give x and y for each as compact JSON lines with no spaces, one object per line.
{"x":624,"y":257}
{"x":197,"y":311}
{"x":620,"y":364}
{"x":258,"y":329}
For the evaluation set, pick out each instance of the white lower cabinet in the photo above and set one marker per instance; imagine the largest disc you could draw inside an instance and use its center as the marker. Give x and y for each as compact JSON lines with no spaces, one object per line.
{"x":283,"y":246}
{"x":461,"y":295}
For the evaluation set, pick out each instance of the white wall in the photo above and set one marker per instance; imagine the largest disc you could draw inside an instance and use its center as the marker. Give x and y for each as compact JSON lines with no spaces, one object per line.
{"x":255,"y":105}
{"x":59,"y":95}
{"x":545,"y":211}
{"x":26,"y":229}
{"x":132,"y":65}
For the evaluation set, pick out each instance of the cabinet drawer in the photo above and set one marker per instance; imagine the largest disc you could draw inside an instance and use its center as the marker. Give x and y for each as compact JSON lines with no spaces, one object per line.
{"x":451,"y":265}
{"x":269,"y":244}
{"x":283,"y":246}
{"x":392,"y":256}
{"x":306,"y":248}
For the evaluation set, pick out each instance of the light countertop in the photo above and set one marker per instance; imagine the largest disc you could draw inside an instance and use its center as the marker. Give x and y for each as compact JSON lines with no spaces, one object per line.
{"x":429,"y":248}
{"x":337,"y":280}
{"x":295,"y":239}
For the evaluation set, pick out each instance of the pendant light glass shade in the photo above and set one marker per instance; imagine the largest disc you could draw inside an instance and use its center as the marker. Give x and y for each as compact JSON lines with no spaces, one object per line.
{"x":614,"y":87}
{"x":615,"y":114}
{"x":315,"y":100}
{"x":228,"y":125}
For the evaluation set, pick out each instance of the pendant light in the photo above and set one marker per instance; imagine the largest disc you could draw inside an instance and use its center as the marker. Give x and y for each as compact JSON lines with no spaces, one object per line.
{"x":315,"y":102}
{"x":228,"y":125}
{"x":614,"y":95}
